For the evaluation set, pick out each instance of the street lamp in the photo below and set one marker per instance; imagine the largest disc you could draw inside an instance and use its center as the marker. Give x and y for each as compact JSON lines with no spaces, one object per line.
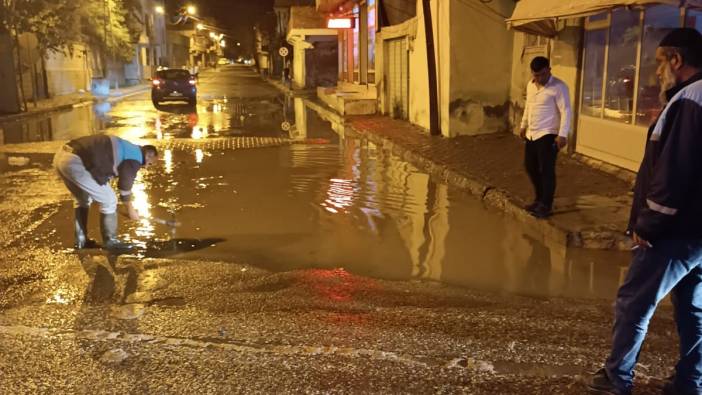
{"x":213,"y":35}
{"x":159,"y":9}
{"x":191,"y":10}
{"x":223,"y":44}
{"x":200,"y":26}
{"x":238,"y":44}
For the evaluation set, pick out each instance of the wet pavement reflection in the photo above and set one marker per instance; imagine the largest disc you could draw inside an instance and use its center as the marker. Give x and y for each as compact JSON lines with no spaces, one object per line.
{"x":348,"y":205}
{"x":327,"y":201}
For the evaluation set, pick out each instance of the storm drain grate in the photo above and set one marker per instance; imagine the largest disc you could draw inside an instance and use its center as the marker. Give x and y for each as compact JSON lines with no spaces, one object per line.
{"x":221,"y":144}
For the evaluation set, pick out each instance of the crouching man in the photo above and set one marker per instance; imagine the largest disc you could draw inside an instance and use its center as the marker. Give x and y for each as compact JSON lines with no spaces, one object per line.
{"x":86,"y":165}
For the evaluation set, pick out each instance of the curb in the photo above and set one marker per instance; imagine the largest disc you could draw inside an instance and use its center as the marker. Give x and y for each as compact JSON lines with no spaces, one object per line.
{"x":68,"y":106}
{"x":500,"y":199}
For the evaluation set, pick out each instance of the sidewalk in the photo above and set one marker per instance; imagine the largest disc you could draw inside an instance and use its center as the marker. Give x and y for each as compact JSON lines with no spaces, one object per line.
{"x":591,"y":208}
{"x":64,"y":102}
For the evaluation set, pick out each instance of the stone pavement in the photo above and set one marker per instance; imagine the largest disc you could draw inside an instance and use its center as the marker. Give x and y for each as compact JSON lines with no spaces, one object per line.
{"x":591,"y":208}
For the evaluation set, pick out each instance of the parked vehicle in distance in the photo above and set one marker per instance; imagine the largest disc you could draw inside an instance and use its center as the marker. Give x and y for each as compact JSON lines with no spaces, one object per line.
{"x":223,"y":62}
{"x":174,"y":85}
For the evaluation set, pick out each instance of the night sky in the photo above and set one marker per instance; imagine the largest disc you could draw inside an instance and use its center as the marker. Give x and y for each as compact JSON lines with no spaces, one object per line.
{"x":237,"y":16}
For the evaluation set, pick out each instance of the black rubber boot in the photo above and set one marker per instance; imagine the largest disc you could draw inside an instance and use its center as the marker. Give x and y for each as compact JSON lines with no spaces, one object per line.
{"x":81,"y":229}
{"x":108,"y":223}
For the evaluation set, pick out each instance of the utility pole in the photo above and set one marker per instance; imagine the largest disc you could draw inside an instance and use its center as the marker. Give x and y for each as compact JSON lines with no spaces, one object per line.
{"x":434,"y":126}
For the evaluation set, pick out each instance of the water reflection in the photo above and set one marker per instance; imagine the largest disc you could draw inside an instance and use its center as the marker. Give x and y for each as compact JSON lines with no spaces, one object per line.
{"x":63,"y":125}
{"x":352,"y":205}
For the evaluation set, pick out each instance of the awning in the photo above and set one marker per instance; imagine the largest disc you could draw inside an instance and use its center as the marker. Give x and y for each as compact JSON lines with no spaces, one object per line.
{"x":540,"y":16}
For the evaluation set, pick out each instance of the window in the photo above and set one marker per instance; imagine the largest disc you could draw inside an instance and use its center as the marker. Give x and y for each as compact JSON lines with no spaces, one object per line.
{"x":372,"y":27}
{"x":658,"y":21}
{"x":595,"y":42}
{"x":621,"y":65}
{"x":532,"y":40}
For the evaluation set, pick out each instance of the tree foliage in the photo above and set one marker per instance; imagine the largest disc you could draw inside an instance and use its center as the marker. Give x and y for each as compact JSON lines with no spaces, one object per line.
{"x":105,"y":25}
{"x":112,"y":25}
{"x":54,"y":22}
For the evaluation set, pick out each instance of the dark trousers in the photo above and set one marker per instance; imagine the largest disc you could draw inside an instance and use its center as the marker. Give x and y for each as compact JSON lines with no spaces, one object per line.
{"x":669,"y":267}
{"x":540,"y":162}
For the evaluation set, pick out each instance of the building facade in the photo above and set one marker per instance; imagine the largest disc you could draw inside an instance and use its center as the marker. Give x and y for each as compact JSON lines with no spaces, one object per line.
{"x":384,"y":67}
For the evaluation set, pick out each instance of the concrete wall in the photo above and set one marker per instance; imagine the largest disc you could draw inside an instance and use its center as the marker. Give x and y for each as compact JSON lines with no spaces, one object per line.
{"x":473,"y":52}
{"x":419,"y":72}
{"x":68,"y":72}
{"x":480,"y":59}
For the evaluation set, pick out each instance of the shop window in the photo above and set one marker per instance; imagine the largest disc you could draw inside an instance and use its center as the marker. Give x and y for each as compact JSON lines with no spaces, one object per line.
{"x":627,"y":39}
{"x":621,"y":65}
{"x":593,"y":71}
{"x":658,"y":21}
{"x":372,"y":27}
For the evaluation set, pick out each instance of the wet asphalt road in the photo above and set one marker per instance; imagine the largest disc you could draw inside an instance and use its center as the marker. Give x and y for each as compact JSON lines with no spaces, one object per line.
{"x":305,"y":263}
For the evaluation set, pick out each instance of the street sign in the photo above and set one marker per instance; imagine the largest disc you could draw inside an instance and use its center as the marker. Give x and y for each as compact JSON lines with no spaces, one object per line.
{"x":283,"y":51}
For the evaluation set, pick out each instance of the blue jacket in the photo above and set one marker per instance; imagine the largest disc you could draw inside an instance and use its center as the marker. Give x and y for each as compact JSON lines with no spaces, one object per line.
{"x":668,"y":193}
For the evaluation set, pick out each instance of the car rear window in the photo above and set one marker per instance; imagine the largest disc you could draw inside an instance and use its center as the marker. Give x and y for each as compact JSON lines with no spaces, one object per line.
{"x":174,"y":74}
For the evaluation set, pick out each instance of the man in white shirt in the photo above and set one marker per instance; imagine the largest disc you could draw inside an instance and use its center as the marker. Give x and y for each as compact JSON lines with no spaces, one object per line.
{"x":545,"y":127}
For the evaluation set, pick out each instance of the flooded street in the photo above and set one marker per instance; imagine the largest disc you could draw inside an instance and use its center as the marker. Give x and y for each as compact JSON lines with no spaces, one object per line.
{"x":301,"y":252}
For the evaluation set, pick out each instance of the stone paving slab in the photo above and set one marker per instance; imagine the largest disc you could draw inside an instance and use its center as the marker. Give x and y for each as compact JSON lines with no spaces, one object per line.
{"x":591,"y":208}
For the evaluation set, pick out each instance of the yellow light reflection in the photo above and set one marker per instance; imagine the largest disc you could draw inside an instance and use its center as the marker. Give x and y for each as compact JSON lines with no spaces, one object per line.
{"x":168,"y":159}
{"x":140,"y":201}
{"x":58,"y":298}
{"x":340,"y":195}
{"x":199,"y":155}
{"x":158,"y":127}
{"x":199,"y":133}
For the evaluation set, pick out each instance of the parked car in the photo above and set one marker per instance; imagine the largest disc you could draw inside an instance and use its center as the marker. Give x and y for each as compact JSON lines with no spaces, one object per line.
{"x":174,"y":85}
{"x":223,"y":62}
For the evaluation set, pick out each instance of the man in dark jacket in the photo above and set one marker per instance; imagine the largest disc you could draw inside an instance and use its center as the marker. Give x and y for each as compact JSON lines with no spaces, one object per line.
{"x":666,"y":227}
{"x":86,"y":165}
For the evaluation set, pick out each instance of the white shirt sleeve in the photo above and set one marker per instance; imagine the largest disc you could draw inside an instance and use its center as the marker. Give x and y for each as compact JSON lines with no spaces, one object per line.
{"x":563,"y":103}
{"x":525,"y":117}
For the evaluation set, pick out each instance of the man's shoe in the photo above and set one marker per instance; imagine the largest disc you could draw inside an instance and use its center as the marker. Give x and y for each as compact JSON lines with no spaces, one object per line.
{"x":532,"y":206}
{"x":601,"y":384}
{"x":541,"y":211}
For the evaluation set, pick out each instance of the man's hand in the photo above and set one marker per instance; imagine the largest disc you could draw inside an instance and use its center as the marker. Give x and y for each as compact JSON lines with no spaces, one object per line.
{"x":639,"y":242}
{"x":561,"y":142}
{"x":522,"y":133}
{"x":132,"y":212}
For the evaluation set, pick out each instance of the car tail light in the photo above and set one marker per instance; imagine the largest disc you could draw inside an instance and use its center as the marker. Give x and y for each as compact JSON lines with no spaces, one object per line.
{"x":156,"y":82}
{"x":193,"y":81}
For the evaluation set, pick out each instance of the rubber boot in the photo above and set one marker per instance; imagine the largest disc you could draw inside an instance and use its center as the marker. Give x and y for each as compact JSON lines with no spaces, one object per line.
{"x":81,"y":229}
{"x":108,"y":223}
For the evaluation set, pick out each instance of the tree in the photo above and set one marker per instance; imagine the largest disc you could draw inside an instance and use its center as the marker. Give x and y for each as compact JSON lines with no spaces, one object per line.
{"x":105,"y":24}
{"x":53,"y":22}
